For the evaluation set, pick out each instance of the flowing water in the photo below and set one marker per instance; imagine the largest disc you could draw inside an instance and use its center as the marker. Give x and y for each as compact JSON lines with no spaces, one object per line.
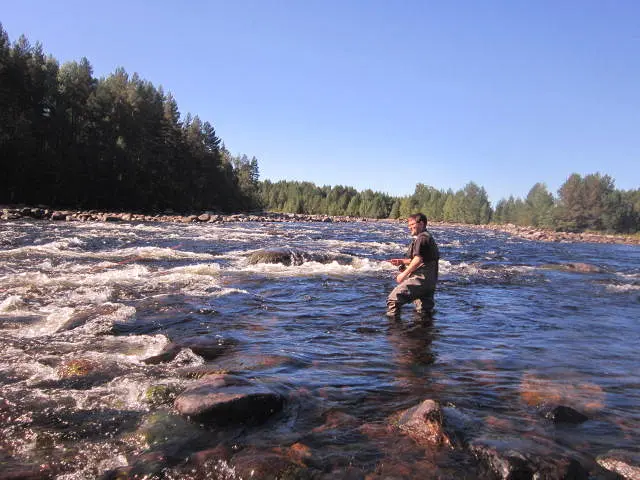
{"x":82,"y":305}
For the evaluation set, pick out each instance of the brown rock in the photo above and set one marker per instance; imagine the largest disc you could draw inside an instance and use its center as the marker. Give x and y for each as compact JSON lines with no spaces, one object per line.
{"x":253,"y":463}
{"x":423,"y":423}
{"x":223,"y":399}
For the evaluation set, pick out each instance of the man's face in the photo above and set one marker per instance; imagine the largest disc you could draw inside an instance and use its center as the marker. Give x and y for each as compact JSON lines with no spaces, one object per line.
{"x":415,"y":227}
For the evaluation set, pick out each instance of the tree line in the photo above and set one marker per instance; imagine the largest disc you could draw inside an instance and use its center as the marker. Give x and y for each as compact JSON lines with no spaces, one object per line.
{"x":583,"y":203}
{"x":68,"y":139}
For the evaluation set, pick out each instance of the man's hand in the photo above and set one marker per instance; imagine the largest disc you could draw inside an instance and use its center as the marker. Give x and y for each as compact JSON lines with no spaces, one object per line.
{"x":413,"y":265}
{"x":397,"y":261}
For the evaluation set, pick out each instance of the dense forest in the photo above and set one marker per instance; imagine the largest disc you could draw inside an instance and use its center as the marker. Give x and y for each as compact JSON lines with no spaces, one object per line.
{"x":68,"y":139}
{"x":583,"y":203}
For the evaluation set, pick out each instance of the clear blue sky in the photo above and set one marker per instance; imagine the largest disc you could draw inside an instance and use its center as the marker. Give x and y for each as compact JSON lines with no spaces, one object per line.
{"x":381,"y":94}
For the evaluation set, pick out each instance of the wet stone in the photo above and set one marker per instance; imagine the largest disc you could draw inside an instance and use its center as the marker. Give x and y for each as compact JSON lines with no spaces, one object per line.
{"x":223,"y":399}
{"x":82,"y":317}
{"x":253,"y":463}
{"x":215,"y":454}
{"x":161,"y":430}
{"x":157,"y":395}
{"x":272,"y":255}
{"x":208,"y":347}
{"x":574,"y":267}
{"x":519,"y":458}
{"x":563,"y":414}
{"x":423,"y":423}
{"x":624,"y":463}
{"x":76,"y":368}
{"x":288,"y":257}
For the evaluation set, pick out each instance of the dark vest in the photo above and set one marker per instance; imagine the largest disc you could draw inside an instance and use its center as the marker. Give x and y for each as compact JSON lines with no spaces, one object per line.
{"x":429,"y":250}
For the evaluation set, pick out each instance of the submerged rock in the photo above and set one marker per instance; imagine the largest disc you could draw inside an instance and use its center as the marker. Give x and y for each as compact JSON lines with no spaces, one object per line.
{"x":526,"y":458}
{"x":289,"y":256}
{"x":285,"y":256}
{"x":224,"y":399}
{"x":574,"y":267}
{"x":542,"y":457}
{"x":161,"y":394}
{"x":85,"y":315}
{"x":625,"y":464}
{"x":208,"y":347}
{"x":254,"y":463}
{"x":76,"y":368}
{"x":562,"y":414}
{"x":423,"y":423}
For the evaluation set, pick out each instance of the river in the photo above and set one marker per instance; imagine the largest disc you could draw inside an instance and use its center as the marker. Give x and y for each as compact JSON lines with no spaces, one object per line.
{"x":517,"y":329}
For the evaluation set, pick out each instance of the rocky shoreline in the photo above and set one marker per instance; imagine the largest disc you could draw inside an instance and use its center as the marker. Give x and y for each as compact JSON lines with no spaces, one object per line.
{"x":529,"y":233}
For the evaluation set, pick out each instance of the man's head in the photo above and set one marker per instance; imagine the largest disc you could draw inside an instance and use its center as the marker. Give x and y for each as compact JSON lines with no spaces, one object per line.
{"x":417,"y":223}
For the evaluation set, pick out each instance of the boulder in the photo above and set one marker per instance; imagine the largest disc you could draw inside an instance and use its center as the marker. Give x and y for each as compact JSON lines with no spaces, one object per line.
{"x":423,"y":423}
{"x":223,"y":399}
{"x":290,"y":256}
{"x":273,"y":255}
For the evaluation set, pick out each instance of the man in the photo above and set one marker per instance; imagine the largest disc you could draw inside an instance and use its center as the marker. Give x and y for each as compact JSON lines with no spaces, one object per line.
{"x":418,"y":272}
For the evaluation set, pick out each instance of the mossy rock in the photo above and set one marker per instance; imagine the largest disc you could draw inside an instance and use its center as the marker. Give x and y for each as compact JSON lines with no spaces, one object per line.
{"x":161,"y":394}
{"x":76,"y":368}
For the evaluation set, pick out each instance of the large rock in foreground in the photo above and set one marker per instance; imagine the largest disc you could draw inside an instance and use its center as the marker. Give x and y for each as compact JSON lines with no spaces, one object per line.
{"x":224,"y":399}
{"x":423,"y":423}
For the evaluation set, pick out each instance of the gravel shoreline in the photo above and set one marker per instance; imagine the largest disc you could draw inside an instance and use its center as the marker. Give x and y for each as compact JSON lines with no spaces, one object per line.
{"x":530,"y":233}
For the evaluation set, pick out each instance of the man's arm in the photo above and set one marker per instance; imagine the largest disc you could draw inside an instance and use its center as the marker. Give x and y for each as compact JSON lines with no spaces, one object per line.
{"x":399,"y":261}
{"x":411,"y":267}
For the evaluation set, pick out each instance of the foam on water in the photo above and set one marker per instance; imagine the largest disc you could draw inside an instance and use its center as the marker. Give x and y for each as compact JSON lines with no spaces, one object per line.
{"x":62,"y":248}
{"x":12,"y":304}
{"x":622,"y":288}
{"x":312,"y":269}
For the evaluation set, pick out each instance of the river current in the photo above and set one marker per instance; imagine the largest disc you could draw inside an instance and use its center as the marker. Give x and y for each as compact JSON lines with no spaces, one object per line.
{"x":517,"y":328}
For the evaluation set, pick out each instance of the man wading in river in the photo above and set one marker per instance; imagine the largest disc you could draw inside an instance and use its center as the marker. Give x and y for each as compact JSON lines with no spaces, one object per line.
{"x":418,"y":272}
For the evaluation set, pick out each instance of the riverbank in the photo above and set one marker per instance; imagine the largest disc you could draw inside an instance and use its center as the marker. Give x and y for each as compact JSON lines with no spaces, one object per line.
{"x":530,"y":233}
{"x":546,"y":235}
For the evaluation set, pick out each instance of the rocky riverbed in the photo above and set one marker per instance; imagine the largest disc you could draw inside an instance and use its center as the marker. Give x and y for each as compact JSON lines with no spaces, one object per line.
{"x":256,"y":346}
